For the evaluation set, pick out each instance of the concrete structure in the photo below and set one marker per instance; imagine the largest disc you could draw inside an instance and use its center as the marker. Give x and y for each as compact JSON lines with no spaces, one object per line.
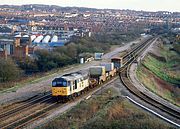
{"x":7,"y":44}
{"x":3,"y":53}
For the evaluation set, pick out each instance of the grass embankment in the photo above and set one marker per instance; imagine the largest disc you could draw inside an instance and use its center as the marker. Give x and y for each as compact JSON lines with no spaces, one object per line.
{"x":106,"y":111}
{"x":161,"y":74}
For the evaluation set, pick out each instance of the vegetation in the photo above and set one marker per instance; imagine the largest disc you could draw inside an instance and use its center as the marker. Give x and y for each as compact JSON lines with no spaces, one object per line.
{"x":106,"y":111}
{"x":162,"y":69}
{"x":62,"y":56}
{"x":158,"y":86}
{"x":8,"y":70}
{"x":176,"y":47}
{"x":70,"y":53}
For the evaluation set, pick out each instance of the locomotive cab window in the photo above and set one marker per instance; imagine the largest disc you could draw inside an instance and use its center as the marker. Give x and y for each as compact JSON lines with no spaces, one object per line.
{"x":59,"y":83}
{"x":54,"y":83}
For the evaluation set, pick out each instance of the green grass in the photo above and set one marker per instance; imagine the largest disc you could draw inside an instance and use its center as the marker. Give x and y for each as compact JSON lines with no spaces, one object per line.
{"x":146,"y":77}
{"x":162,"y":69}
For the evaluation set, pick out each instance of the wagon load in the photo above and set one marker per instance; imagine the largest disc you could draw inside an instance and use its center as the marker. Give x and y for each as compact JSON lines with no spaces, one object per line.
{"x":97,"y":70}
{"x":108,"y":66}
{"x":97,"y":73}
{"x":110,"y":69}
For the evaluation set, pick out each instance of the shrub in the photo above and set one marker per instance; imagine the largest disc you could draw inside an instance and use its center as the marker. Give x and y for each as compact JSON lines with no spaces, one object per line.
{"x":8,"y":70}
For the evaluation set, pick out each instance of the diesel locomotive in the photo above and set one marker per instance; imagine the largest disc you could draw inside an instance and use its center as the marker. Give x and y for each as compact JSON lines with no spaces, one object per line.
{"x":74,"y":84}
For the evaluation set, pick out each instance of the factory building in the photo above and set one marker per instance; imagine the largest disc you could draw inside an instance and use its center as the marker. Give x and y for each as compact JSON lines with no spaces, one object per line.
{"x":21,"y":46}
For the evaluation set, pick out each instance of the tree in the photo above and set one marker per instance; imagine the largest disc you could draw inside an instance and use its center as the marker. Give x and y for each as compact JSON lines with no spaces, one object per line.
{"x":8,"y":70}
{"x":29,"y":65}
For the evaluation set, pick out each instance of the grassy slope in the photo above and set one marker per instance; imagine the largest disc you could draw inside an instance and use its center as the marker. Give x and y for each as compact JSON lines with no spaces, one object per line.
{"x":106,"y":111}
{"x":162,"y":69}
{"x":162,"y":77}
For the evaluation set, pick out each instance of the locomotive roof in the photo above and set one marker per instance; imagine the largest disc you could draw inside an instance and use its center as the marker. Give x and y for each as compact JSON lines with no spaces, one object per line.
{"x":117,"y":58}
{"x":75,"y":75}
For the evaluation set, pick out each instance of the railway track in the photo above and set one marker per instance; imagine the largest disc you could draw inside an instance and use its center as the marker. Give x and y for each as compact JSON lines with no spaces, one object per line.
{"x":25,"y":110}
{"x":31,"y":117}
{"x":28,"y":111}
{"x":124,"y":76}
{"x":23,"y":105}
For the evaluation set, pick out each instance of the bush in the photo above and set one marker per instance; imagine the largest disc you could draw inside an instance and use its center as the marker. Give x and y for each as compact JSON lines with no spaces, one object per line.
{"x":176,"y":47}
{"x":28,"y":65}
{"x":8,"y":70}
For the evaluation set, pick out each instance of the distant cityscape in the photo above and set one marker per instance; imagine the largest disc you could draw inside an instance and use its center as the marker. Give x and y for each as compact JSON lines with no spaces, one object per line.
{"x":27,"y":28}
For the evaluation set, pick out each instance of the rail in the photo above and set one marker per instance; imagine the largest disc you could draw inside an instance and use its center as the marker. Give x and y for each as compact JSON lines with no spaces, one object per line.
{"x":124,"y":76}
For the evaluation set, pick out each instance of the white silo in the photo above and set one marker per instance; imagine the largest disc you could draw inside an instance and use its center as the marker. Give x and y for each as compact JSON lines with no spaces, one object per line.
{"x":33,"y":37}
{"x":46,"y":39}
{"x":54,"y":38}
{"x":38,"y":39}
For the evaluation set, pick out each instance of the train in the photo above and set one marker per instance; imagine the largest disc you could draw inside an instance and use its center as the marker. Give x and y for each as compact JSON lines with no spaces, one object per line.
{"x":71,"y":85}
{"x":74,"y":84}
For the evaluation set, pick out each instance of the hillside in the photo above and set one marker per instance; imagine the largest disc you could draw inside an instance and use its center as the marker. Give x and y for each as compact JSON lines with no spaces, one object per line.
{"x":160,"y":71}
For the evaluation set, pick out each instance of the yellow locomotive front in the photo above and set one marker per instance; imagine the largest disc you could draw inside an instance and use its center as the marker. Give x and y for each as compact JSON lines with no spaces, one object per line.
{"x":60,"y":87}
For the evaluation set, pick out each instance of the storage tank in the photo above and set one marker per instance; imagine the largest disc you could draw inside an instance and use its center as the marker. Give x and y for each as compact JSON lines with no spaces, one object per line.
{"x":108,"y":66}
{"x":46,"y":39}
{"x":54,"y":38}
{"x":38,"y":39}
{"x":33,"y":37}
{"x":97,"y":70}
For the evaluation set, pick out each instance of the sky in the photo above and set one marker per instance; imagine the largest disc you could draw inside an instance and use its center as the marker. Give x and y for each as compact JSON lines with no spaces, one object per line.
{"x":146,"y":5}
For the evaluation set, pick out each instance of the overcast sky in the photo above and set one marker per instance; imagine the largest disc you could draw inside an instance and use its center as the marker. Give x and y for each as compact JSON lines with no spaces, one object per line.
{"x":148,"y":5}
